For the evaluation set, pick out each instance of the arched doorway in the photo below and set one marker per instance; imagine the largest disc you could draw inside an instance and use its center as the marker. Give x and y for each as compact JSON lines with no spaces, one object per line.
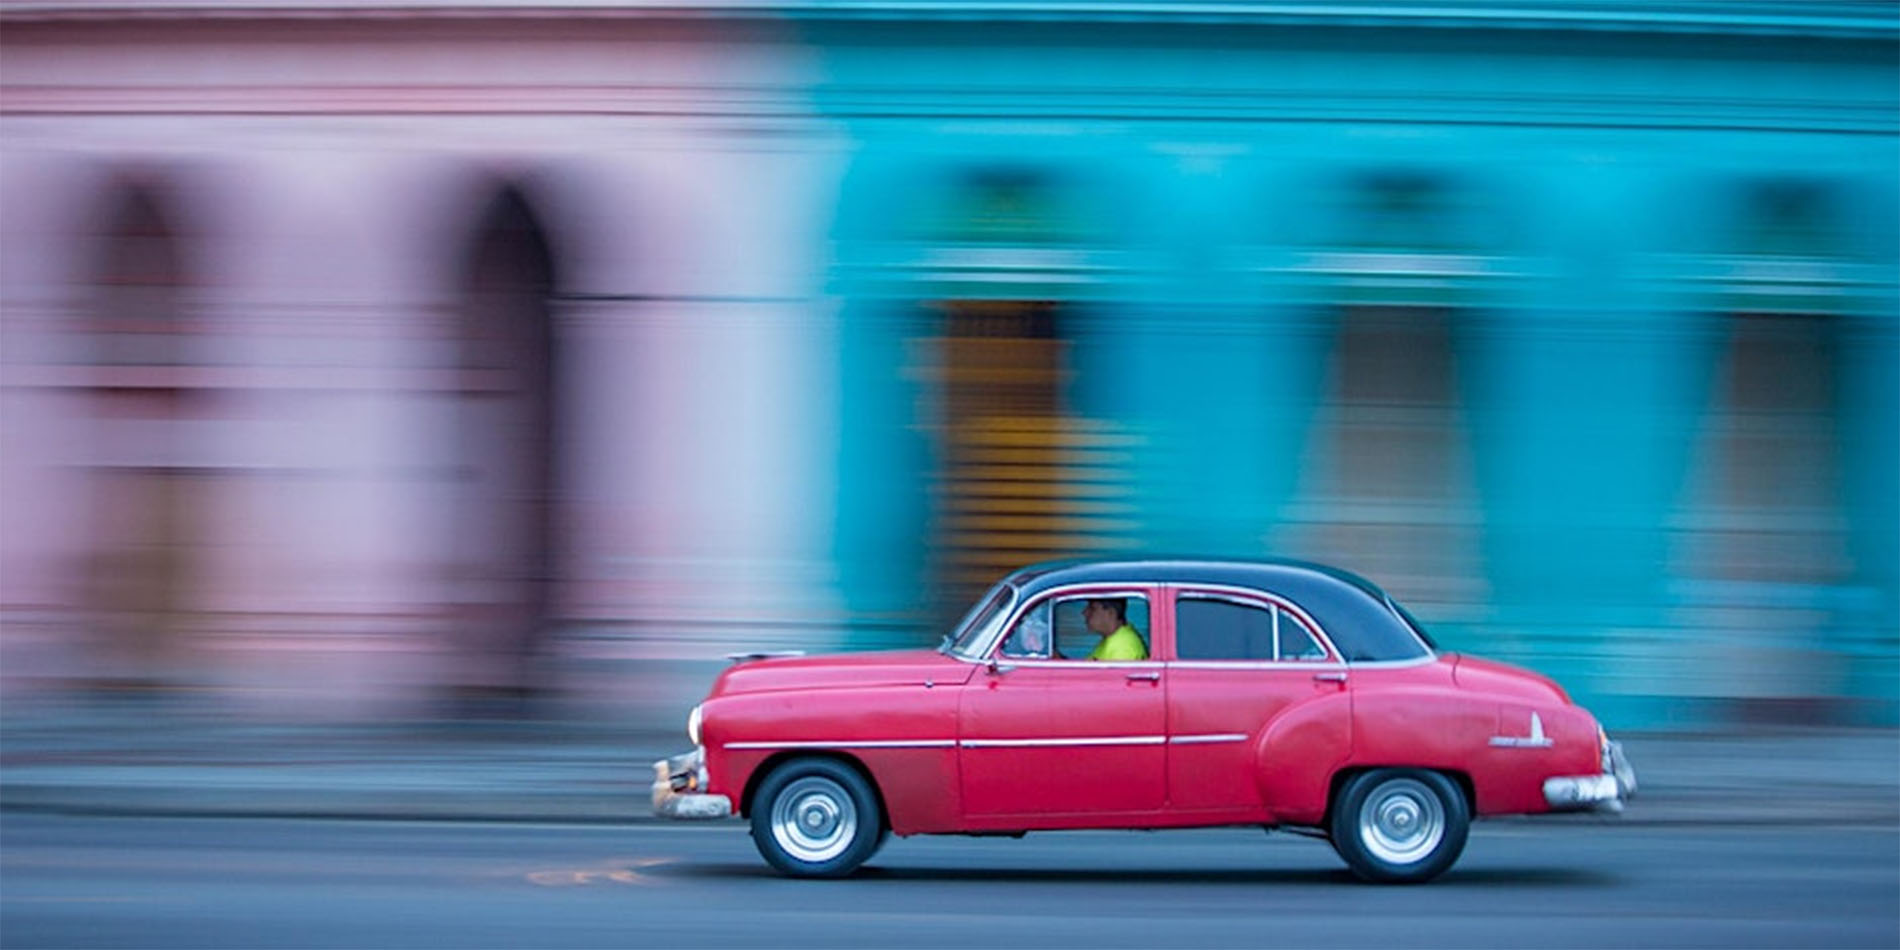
{"x":146,"y":503}
{"x":507,"y":440}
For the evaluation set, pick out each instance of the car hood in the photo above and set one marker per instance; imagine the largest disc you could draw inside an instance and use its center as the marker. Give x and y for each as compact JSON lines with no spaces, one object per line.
{"x":843,"y":670}
{"x":1480,"y":675}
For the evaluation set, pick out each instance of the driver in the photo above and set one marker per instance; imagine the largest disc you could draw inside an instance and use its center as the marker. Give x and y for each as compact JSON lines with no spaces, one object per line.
{"x":1107,"y":618}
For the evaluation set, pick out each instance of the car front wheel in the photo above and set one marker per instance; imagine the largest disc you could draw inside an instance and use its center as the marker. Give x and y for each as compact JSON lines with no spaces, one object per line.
{"x":816,"y":818}
{"x":1400,"y":825}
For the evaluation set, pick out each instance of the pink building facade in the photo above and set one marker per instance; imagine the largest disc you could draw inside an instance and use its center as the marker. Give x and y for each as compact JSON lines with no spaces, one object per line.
{"x":344,"y":356}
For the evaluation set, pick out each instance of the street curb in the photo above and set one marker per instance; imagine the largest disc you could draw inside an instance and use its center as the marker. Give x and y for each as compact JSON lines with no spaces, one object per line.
{"x":393,"y":817}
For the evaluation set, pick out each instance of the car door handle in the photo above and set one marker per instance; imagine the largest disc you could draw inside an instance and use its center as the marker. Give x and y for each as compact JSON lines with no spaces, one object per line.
{"x":1332,"y":677}
{"x":1148,"y":675}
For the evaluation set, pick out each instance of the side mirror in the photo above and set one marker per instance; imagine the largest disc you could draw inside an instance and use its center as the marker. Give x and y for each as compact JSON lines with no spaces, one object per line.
{"x":997,"y":668}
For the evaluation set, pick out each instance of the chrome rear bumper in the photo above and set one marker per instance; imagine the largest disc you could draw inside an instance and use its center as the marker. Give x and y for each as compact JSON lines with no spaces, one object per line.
{"x":1607,"y":791}
{"x":676,"y":789}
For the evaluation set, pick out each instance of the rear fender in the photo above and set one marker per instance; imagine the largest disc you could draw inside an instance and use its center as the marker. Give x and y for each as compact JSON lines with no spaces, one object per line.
{"x":1297,"y":754}
{"x":1451,"y":731}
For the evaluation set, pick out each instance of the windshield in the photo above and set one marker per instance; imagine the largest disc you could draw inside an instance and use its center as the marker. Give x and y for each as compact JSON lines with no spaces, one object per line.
{"x":963,"y":639}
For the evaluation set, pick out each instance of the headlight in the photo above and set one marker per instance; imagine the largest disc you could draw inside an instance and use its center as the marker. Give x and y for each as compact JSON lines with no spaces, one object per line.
{"x":692,"y":724}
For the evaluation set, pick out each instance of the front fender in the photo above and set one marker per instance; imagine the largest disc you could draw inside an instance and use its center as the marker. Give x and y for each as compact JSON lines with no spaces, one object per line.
{"x":902,"y":736}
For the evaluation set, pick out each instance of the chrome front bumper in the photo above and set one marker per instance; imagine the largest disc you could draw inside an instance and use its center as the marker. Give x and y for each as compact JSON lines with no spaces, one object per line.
{"x":676,"y":789}
{"x":1606,"y":792}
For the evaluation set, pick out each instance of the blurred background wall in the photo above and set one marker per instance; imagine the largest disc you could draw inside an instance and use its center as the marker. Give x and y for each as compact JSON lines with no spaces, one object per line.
{"x":374,"y":356}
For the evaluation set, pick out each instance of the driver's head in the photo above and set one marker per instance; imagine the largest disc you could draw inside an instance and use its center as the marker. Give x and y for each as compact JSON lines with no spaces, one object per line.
{"x":1105,"y":615}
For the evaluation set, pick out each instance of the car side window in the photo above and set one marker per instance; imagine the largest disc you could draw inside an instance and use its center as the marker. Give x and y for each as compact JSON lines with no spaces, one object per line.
{"x":1208,"y":629}
{"x":1295,"y":641}
{"x":1060,"y":623}
{"x":1076,"y":641}
{"x":1031,"y":637}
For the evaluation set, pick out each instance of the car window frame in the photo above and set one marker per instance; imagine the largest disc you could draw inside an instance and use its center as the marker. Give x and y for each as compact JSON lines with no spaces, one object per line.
{"x":1249,"y":597}
{"x":1149,"y":593}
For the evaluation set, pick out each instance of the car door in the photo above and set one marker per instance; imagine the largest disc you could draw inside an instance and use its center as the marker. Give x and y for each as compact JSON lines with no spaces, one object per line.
{"x":1240,"y":660}
{"x":1046,"y":733}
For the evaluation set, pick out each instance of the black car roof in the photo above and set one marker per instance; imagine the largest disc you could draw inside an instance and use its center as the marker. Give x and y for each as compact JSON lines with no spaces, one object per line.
{"x":1354,"y":612}
{"x":1170,"y":570}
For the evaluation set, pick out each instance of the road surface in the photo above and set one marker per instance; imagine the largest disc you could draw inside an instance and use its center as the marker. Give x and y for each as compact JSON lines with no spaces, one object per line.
{"x":70,"y":881}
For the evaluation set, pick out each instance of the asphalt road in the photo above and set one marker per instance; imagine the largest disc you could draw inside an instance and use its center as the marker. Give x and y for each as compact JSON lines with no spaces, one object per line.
{"x":161,"y":882}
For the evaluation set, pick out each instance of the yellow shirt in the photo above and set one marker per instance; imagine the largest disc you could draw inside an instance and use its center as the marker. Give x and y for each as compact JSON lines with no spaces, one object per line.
{"x":1123,"y":644}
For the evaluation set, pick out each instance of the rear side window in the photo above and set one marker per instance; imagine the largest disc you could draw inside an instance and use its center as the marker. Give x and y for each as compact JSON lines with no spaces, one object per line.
{"x":1360,"y":622}
{"x":1222,"y":630}
{"x":1209,"y":628}
{"x":1296,"y":642}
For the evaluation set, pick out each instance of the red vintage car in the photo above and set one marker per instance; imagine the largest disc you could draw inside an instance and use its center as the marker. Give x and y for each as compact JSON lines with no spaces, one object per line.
{"x":1273,"y":693}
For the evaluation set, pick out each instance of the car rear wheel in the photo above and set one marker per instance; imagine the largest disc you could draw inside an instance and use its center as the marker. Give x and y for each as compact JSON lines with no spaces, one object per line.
{"x":816,"y":818}
{"x":1400,"y":825}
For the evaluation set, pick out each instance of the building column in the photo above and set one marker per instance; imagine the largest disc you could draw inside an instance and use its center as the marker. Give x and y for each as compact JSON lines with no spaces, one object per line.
{"x":1586,"y":392}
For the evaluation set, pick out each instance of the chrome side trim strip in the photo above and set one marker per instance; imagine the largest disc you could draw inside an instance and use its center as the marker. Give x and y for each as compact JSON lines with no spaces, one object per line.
{"x":1090,"y":740}
{"x":1425,"y":660}
{"x":991,"y":743}
{"x":1216,"y":737}
{"x":1310,"y":666}
{"x":1081,"y":664}
{"x":1536,"y":740}
{"x":848,"y":744}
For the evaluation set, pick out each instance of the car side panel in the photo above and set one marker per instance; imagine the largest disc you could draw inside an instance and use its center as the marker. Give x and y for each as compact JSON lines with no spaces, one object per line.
{"x":1214,"y":716}
{"x":1218,"y":720}
{"x":1134,"y":820}
{"x":1064,"y":737}
{"x":1410,"y":720}
{"x":1297,"y":755}
{"x":1510,"y":779}
{"x":919,"y":787}
{"x":904,"y":736}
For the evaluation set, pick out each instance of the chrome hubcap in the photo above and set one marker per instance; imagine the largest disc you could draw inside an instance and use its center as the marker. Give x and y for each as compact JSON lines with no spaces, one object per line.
{"x":813,"y":819}
{"x":1401,"y":822}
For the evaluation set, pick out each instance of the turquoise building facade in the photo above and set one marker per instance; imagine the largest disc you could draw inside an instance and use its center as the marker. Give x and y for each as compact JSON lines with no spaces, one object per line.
{"x":1574,"y":325}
